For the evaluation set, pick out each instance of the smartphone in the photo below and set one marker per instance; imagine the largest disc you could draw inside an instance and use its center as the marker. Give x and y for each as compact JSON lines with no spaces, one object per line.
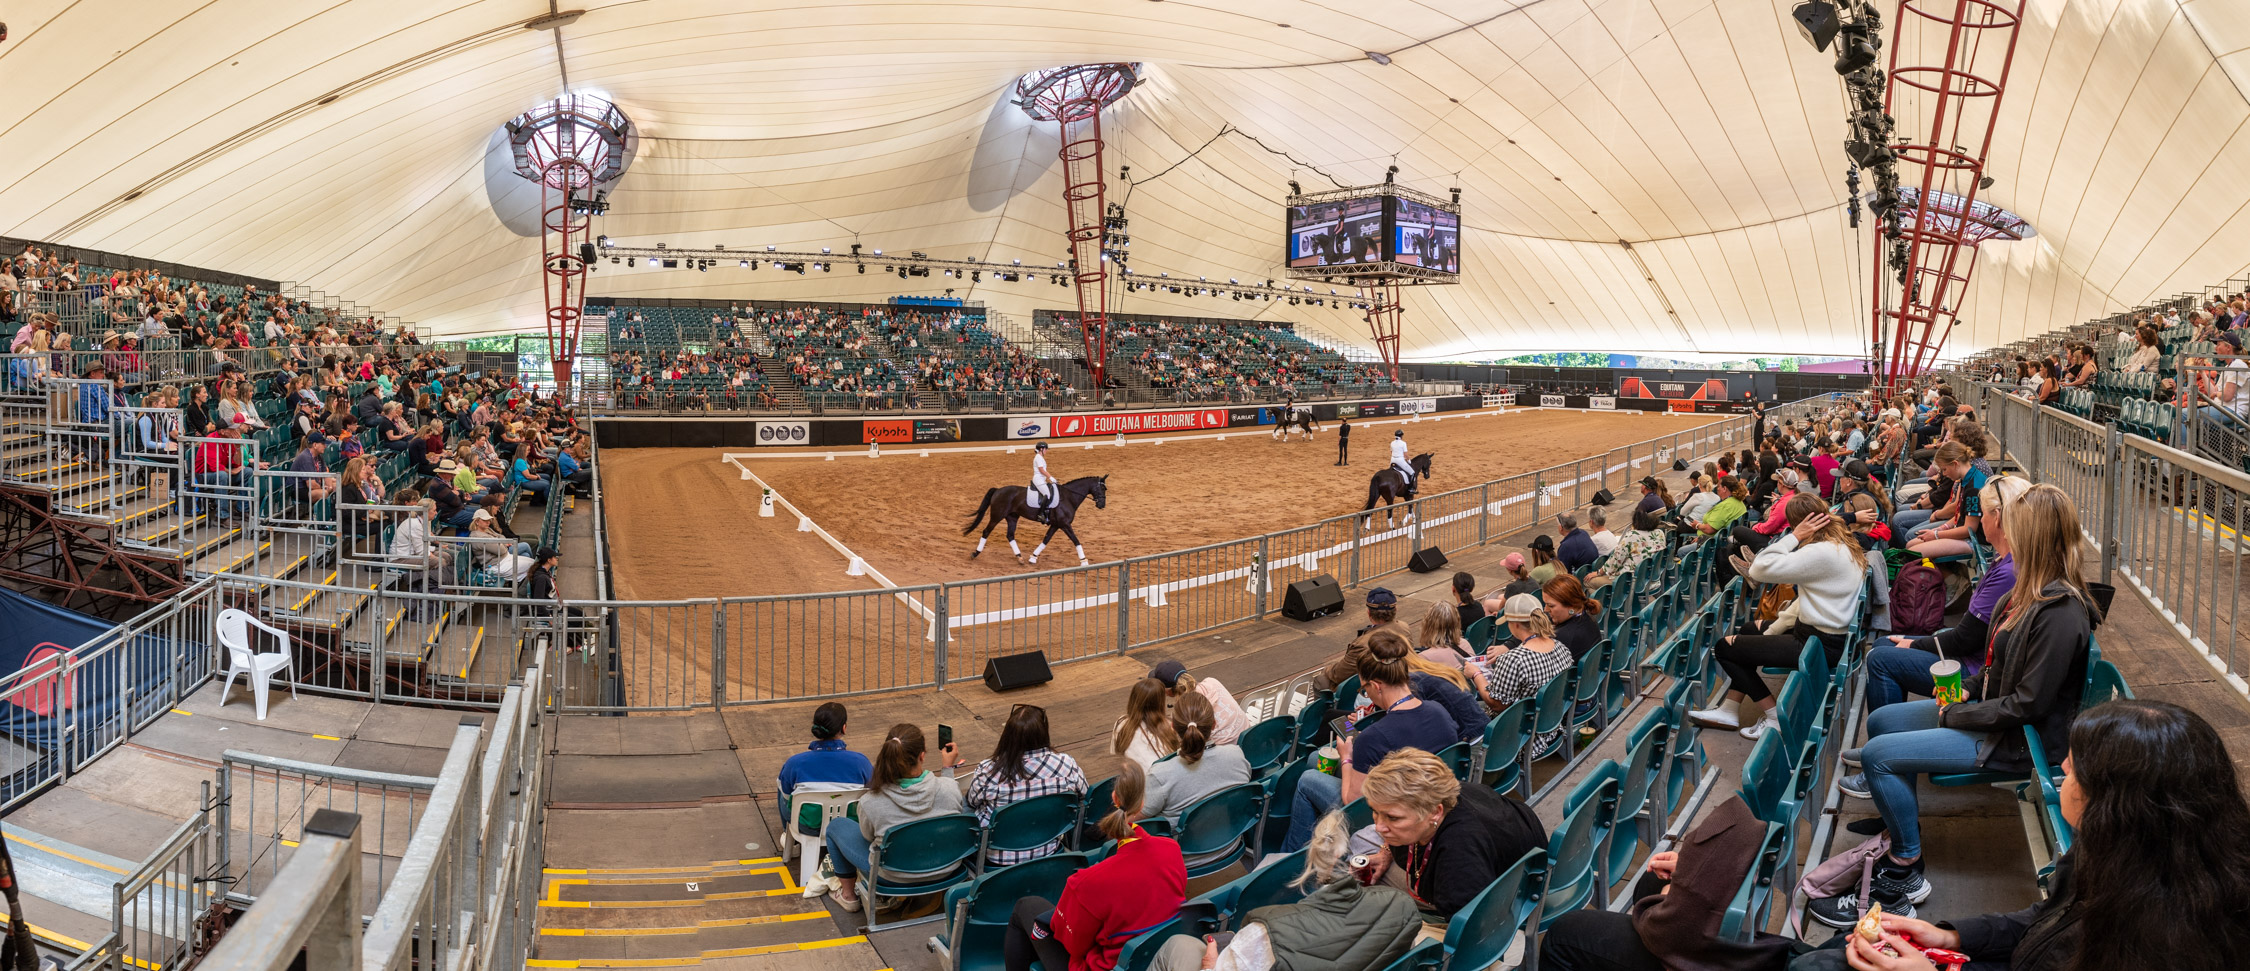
{"x":1343,"y":727}
{"x":944,"y":735}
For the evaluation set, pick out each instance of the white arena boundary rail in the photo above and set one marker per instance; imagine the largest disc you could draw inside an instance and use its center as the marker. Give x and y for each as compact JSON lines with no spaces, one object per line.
{"x":2168,"y":522}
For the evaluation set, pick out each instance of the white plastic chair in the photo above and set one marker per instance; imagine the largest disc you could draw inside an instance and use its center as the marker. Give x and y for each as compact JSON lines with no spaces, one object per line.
{"x":834,"y":804}
{"x":259,"y":666}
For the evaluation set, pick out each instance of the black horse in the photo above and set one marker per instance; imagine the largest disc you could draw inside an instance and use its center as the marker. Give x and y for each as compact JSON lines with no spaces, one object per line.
{"x":1008,"y":502}
{"x":1389,"y":486}
{"x":1292,"y":420}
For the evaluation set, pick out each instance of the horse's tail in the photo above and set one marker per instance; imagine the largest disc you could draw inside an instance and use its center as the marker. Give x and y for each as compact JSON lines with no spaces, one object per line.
{"x":1374,"y":490}
{"x":978,"y":519}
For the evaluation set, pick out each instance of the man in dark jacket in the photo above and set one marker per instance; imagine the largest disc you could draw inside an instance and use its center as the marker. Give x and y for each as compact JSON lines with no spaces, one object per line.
{"x":1577,"y":546}
{"x":1683,"y":901}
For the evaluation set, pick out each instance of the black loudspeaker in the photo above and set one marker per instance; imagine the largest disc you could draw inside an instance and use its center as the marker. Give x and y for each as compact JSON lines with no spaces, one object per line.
{"x":1679,"y":465}
{"x":586,"y":253}
{"x":1604,"y":497}
{"x":1317,"y":597}
{"x":1818,"y":21}
{"x":1017,"y":671}
{"x":1427,"y":560}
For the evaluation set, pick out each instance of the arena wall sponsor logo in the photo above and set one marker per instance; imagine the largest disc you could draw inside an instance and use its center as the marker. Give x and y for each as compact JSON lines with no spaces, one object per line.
{"x":1550,"y":401}
{"x":1027,"y":428}
{"x":1498,"y":400}
{"x":1417,"y":406}
{"x":1602,"y":403}
{"x":1253,"y":416}
{"x":887,"y":432}
{"x":784,"y":432}
{"x":937,"y":430}
{"x":1347,"y":411}
{"x":1159,"y":421}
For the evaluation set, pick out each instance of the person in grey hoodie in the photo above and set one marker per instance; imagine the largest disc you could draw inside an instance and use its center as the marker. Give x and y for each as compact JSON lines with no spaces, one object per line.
{"x":1199,"y":768}
{"x":901,"y":791}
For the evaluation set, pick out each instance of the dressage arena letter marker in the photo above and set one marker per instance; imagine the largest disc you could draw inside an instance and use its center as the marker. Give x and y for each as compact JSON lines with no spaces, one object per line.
{"x":765,"y":502}
{"x":874,"y":450}
{"x":857,"y":569}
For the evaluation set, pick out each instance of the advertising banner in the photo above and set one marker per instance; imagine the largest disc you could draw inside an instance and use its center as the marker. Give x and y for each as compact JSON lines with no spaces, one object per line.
{"x":1417,"y":406}
{"x":1239,"y":417}
{"x":1498,"y":400}
{"x":1550,"y":401}
{"x":1347,"y":411}
{"x":785,"y":433}
{"x":1723,"y":407}
{"x":893,"y":431}
{"x":1378,"y":409}
{"x":1602,"y":402}
{"x":1068,"y":426}
{"x":1027,"y":427}
{"x":937,"y":430}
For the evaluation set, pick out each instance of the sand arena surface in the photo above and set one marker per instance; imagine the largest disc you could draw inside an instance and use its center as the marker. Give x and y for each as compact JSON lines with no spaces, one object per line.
{"x":683,"y":523}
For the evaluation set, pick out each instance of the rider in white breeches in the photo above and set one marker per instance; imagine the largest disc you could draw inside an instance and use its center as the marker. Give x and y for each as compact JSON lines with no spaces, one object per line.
{"x":1043,"y":491}
{"x":1399,"y":460}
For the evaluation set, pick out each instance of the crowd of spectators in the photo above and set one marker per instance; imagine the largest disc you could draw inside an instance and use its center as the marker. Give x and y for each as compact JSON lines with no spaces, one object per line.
{"x":1212,"y":360}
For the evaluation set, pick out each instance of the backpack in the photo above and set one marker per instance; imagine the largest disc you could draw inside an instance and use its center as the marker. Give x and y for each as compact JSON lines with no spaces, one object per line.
{"x":1852,"y":869}
{"x":1918,"y":599}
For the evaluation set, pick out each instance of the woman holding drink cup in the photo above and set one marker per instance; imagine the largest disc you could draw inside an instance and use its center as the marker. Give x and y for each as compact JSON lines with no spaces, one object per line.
{"x":1902,"y":665}
{"x":2035,"y":666}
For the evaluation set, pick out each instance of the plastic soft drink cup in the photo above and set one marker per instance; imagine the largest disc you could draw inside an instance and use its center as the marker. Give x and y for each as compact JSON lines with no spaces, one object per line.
{"x":1325,"y":761}
{"x":1946,"y":678}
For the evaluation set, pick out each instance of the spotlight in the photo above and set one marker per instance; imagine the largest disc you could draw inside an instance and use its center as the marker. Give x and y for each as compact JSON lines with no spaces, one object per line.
{"x":743,"y":263}
{"x":652,"y":261}
{"x":1984,"y":183}
{"x":1295,"y":189}
{"x":671,"y":264}
{"x":862,"y":267}
{"x":1378,"y":57}
{"x":824,"y":251}
{"x":976,"y":276}
{"x":604,"y":241}
{"x":1855,"y":53}
{"x":1390,"y":175}
{"x":1816,"y":19}
{"x":703,"y":268}
{"x":1456,"y":197}
{"x":770,"y":247}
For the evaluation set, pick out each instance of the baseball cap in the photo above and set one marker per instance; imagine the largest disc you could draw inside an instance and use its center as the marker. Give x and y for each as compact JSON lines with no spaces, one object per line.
{"x":1543,"y":542}
{"x":482,"y":513}
{"x":1382,"y":597}
{"x":1520,"y":607}
{"x":1648,"y":481}
{"x":1856,"y":469}
{"x":1168,"y":672}
{"x":316,"y":438}
{"x":1512,"y":562}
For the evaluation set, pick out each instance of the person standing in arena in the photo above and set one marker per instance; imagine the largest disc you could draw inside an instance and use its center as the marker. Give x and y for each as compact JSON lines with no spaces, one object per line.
{"x":1344,"y":443}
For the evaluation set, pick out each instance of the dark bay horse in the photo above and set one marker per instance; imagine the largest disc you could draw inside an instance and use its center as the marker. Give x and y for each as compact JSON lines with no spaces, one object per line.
{"x":1293,"y":420}
{"x":1390,"y":487}
{"x":1009,"y":503}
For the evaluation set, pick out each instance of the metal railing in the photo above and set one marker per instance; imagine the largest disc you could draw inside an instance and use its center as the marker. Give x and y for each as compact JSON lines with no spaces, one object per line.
{"x":2168,"y":521}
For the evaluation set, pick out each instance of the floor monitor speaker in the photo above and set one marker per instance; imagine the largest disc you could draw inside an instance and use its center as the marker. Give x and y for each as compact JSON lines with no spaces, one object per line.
{"x":1316,"y":597}
{"x":1017,"y":671}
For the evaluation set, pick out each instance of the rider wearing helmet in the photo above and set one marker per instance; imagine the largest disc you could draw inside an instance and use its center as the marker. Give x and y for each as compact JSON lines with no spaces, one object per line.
{"x":1399,"y":460}
{"x":1043,"y":492}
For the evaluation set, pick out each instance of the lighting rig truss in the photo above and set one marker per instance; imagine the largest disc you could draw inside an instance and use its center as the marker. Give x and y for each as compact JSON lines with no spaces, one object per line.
{"x":916,"y":265}
{"x":1382,"y":283}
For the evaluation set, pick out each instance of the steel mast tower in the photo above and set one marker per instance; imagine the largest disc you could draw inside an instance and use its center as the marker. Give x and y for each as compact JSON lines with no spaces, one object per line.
{"x":568,"y":146}
{"x":1073,"y":97}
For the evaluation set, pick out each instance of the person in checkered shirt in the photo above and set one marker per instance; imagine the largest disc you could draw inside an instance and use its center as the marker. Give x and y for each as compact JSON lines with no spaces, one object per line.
{"x":1022,"y":766}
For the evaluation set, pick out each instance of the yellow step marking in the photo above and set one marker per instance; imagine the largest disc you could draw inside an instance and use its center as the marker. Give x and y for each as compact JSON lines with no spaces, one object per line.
{"x":690,"y":902}
{"x":183,"y":711}
{"x":691,"y":868}
{"x":330,"y":738}
{"x":476,"y":643}
{"x":669,"y":931}
{"x":734,"y":952}
{"x":72,"y":943}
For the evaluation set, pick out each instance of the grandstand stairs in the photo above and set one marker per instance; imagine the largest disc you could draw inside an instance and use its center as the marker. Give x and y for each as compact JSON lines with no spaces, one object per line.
{"x":592,"y":373}
{"x":693,"y":880}
{"x":783,"y":383}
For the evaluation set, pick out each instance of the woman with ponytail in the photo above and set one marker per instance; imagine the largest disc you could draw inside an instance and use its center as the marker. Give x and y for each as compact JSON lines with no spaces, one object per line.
{"x":901,"y":791}
{"x":1138,"y":886}
{"x":1201,"y":767}
{"x":1145,"y":734}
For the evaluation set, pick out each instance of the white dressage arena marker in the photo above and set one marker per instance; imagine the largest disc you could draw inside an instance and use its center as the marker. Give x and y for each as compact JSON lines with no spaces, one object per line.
{"x":874,"y":450}
{"x":804,"y":524}
{"x":765,"y":504}
{"x":857,"y":569}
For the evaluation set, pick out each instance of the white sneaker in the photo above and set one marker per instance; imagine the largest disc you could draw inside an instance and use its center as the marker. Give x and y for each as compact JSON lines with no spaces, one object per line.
{"x":1760,"y":728}
{"x":849,"y":902}
{"x":1721,"y":715}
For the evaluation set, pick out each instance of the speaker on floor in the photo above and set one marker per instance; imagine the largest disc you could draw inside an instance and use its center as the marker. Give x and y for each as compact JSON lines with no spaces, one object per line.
{"x":1017,"y":671}
{"x":1679,"y":465}
{"x":1426,"y":560}
{"x":1316,"y":597}
{"x":1603,"y":497}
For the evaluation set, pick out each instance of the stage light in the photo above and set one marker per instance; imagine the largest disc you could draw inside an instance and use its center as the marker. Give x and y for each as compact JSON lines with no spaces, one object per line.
{"x":770,"y":247}
{"x":1854,"y":54}
{"x":743,"y":263}
{"x":1984,"y":183}
{"x":1390,"y":175}
{"x":824,"y":250}
{"x":604,"y":241}
{"x":878,"y":252}
{"x":652,"y":261}
{"x":1295,"y":189}
{"x":1456,"y":197}
{"x":976,"y":276}
{"x":1816,"y":19}
{"x":862,"y":267}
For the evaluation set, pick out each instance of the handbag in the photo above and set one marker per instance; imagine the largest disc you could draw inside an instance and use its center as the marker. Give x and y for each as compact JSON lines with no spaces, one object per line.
{"x":1776,"y":597}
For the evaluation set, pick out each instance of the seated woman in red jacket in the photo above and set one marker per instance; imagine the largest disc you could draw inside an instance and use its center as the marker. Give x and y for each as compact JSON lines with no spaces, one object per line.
{"x":1136,"y":888}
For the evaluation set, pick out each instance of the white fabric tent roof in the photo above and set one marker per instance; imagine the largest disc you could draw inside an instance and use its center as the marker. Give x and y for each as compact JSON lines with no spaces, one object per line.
{"x":342,"y":144}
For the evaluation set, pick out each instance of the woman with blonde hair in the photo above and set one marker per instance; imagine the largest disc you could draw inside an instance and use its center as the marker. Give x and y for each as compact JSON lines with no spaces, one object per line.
{"x":1145,"y":733}
{"x":1824,"y":561}
{"x":1506,"y":675}
{"x":1439,"y":639}
{"x":1449,"y":841}
{"x":2038,"y":655}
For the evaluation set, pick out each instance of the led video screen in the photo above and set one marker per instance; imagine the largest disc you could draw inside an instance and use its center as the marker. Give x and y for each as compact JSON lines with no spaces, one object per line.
{"x":1340,"y":232}
{"x":1425,"y":236}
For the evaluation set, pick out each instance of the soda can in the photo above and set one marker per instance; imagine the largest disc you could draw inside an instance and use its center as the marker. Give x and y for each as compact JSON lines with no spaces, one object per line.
{"x":1946,"y":677}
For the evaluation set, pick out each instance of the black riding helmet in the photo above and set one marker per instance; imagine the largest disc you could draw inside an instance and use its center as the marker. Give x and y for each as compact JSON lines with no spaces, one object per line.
{"x":1041,"y":447}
